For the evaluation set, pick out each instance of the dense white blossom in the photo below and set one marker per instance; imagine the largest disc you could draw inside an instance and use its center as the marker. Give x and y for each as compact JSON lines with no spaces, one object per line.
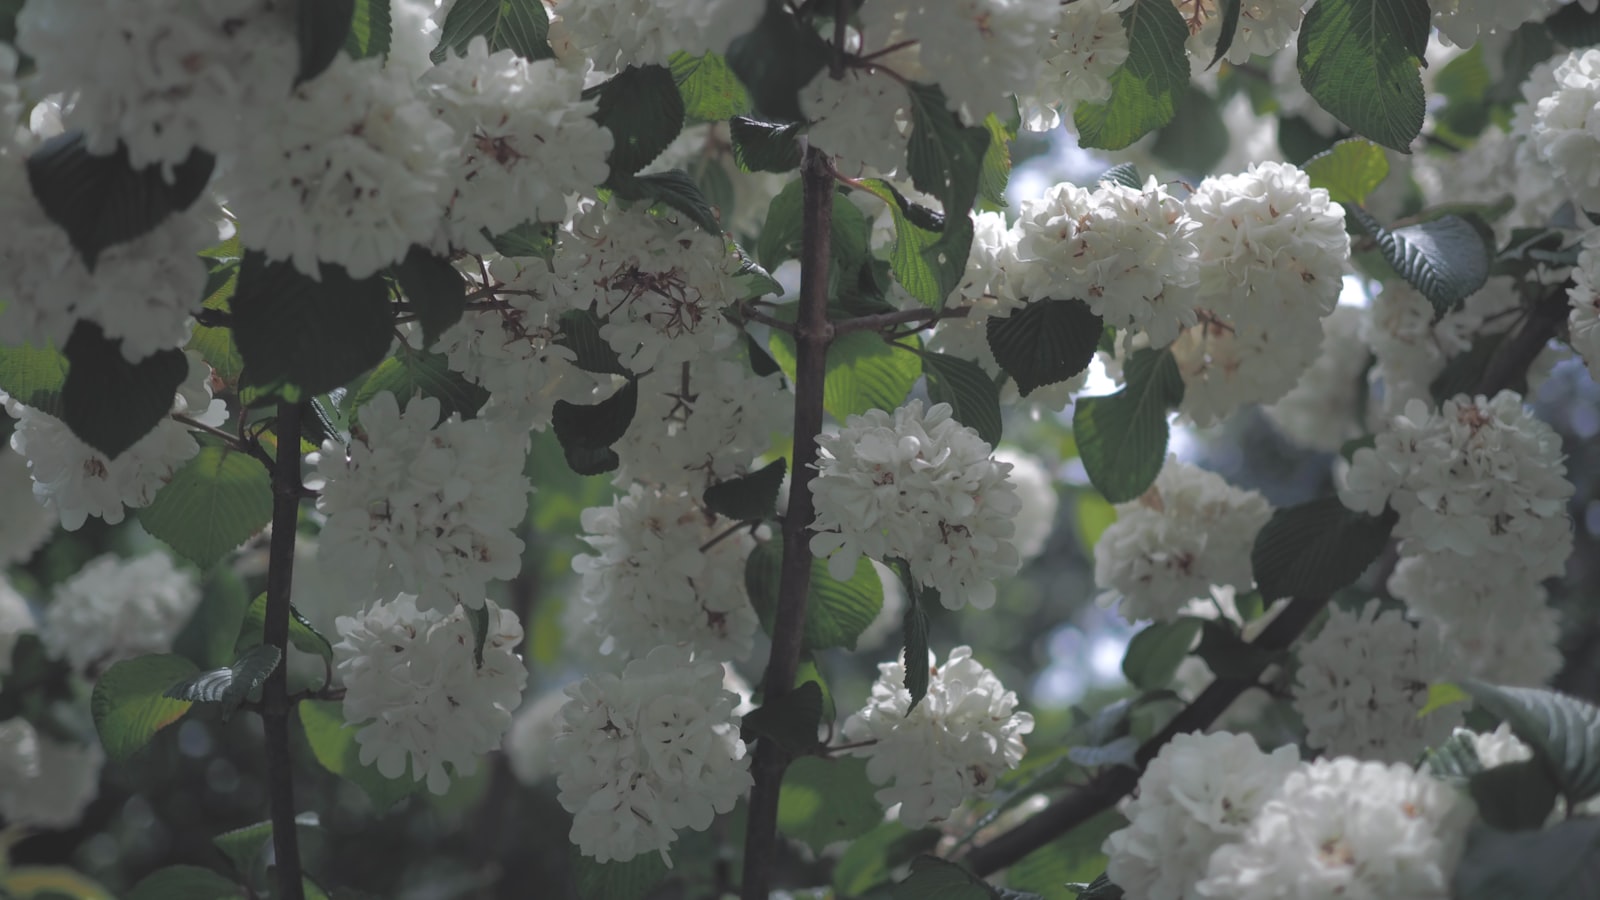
{"x":1411,"y":349}
{"x":920,"y":487}
{"x":1323,"y":411}
{"x":620,"y":33}
{"x":419,"y":508}
{"x":1363,"y":680}
{"x":1583,"y":322}
{"x":114,"y":609}
{"x":530,"y":743}
{"x":1492,"y":614}
{"x":1263,"y":28}
{"x":647,"y":753}
{"x":416,"y":693}
{"x":1035,"y":487}
{"x":524,"y":140}
{"x":1464,"y":22}
{"x":979,"y":51}
{"x":954,"y":745}
{"x":649,"y":583}
{"x":1566,"y":126}
{"x":52,"y":792}
{"x":1199,"y":793}
{"x":1087,"y":45}
{"x":1342,"y":828}
{"x":161,"y":76}
{"x":1189,"y":531}
{"x":860,"y":119}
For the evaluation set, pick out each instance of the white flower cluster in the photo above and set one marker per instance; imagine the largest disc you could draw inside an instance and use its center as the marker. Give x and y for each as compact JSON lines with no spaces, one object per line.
{"x":859,"y":119}
{"x":1264,"y":27}
{"x":1087,"y":45}
{"x":1190,"y":531}
{"x":1410,"y":349}
{"x":1464,"y":22}
{"x":1363,"y":680}
{"x":921,"y":487}
{"x":650,"y":584}
{"x":647,"y":32}
{"x":1323,"y":410}
{"x":649,"y":752}
{"x":45,"y":783}
{"x":952,"y":746}
{"x":114,"y":609}
{"x":417,"y":694}
{"x":1566,"y":126}
{"x":425,"y":508}
{"x":1583,"y":322}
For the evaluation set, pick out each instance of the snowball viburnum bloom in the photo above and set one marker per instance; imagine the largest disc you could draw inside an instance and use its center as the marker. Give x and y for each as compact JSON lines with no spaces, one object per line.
{"x":1088,"y":44}
{"x":954,"y":745}
{"x":859,"y":119}
{"x":1323,"y":409}
{"x":115,"y":609}
{"x":1566,"y":126}
{"x":1263,"y":28}
{"x":1199,"y":793}
{"x":644,"y":754}
{"x":1190,"y":531}
{"x":1583,"y":322}
{"x":920,"y":487}
{"x":1341,"y":828}
{"x":647,"y":32}
{"x":416,"y":693}
{"x":417,"y":508}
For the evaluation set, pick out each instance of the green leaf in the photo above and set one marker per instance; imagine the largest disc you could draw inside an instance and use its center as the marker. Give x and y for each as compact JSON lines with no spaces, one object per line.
{"x":944,"y":157}
{"x":776,"y":59}
{"x":478,"y":617}
{"x":1099,"y":889}
{"x":103,"y":200}
{"x":710,"y":90}
{"x":927,"y":261}
{"x":827,"y":800}
{"x":1154,"y":654}
{"x":1563,"y":731}
{"x":782,"y":230}
{"x":580,"y":333}
{"x":1454,"y":761}
{"x":865,"y":373}
{"x":914,"y":631}
{"x":301,"y":337}
{"x":1350,"y":170}
{"x":749,"y":497}
{"x":322,"y":27}
{"x":1074,"y":857}
{"x":1559,"y":863}
{"x":1445,"y":259}
{"x":1122,"y":439}
{"x":243,"y":846}
{"x":1316,"y":548}
{"x":1196,"y":139}
{"x":1044,"y":342}
{"x":1229,"y":10}
{"x":643,"y":110}
{"x":110,"y":403}
{"x":1361,"y":61}
{"x":933,"y":878}
{"x":522,"y":26}
{"x":334,"y":745}
{"x":587,"y":432}
{"x":414,"y":372}
{"x":530,"y":239}
{"x":1516,"y":796}
{"x":1125,"y":174}
{"x":631,"y":880}
{"x":370,"y":30}
{"x":216,"y":502}
{"x":675,"y":190}
{"x":789,"y":721}
{"x":972,"y":394}
{"x":302,"y":634}
{"x":869,"y":860}
{"x":1144,"y":90}
{"x":185,"y":883}
{"x":996,"y":169}
{"x":34,"y":377}
{"x":436,"y":291}
{"x":765,"y":146}
{"x":1574,"y":26}
{"x":215,"y":344}
{"x":229,"y":686}
{"x":129,"y":704}
{"x":836,"y":611}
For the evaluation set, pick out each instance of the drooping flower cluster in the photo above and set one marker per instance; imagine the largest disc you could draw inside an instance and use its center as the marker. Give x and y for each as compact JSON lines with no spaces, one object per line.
{"x":952,"y":746}
{"x":650,"y":583}
{"x":1088,"y":44}
{"x":114,"y":609}
{"x":416,"y":692}
{"x":647,"y":753}
{"x":415,"y":506}
{"x":1190,"y":531}
{"x":1565,"y":125}
{"x":919,"y":487}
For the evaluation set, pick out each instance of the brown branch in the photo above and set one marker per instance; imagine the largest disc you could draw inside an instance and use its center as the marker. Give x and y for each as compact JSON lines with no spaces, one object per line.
{"x":922,"y":318}
{"x":757,"y":316}
{"x":275,"y":693}
{"x":1509,"y":364}
{"x":812,"y":333}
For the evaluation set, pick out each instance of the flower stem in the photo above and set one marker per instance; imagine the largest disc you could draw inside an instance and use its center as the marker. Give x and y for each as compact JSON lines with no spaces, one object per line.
{"x":275,"y":705}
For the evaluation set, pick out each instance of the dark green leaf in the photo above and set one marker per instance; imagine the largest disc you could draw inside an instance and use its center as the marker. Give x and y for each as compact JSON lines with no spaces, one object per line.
{"x":943,"y":157}
{"x":1453,"y":761}
{"x":776,"y":59}
{"x":1196,"y":139}
{"x":301,"y":337}
{"x":761,"y":362}
{"x":869,"y":860}
{"x":322,"y":27}
{"x":103,"y":200}
{"x":827,"y":800}
{"x":215,"y":344}
{"x":580,"y":333}
{"x":302,"y":634}
{"x":1445,"y":259}
{"x":674,"y":189}
{"x":1560,"y":863}
{"x":996,"y":169}
{"x":1125,"y":174}
{"x":110,"y":403}
{"x":530,"y":239}
{"x":230,"y":686}
{"x":243,"y":846}
{"x":1575,"y":26}
{"x":1563,"y":731}
{"x":34,"y":377}
{"x":643,"y":110}
{"x":836,"y":611}
{"x":765,"y":146}
{"x":216,"y":502}
{"x":370,"y":30}
{"x":789,"y":721}
{"x":914,"y":630}
{"x":1116,"y":752}
{"x":1361,"y":61}
{"x":1074,"y":857}
{"x":928,"y":258}
{"x":1099,"y":889}
{"x":334,"y":745}
{"x":587,"y":432}
{"x":971,"y":393}
{"x":1154,"y":654}
{"x":522,"y":26}
{"x":749,"y":497}
{"x":1045,"y":342}
{"x":710,"y":90}
{"x":1316,"y":548}
{"x":1122,"y":439}
{"x":413,"y":373}
{"x":631,"y":880}
{"x":478,"y":616}
{"x":1145,"y":89}
{"x":184,"y":883}
{"x":1350,"y":170}
{"x":1516,"y":796}
{"x":436,"y":291}
{"x":933,"y":878}
{"x":129,"y":704}
{"x":1229,"y":10}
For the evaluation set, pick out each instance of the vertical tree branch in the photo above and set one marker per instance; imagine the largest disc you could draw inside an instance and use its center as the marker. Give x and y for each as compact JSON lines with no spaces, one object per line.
{"x":812,"y":334}
{"x":275,"y":704}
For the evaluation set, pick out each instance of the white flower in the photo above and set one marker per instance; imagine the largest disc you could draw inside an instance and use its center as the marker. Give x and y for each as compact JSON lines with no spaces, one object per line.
{"x":860,"y":119}
{"x":26,"y":525}
{"x":922,"y":488}
{"x":1087,"y":45}
{"x":162,"y":76}
{"x":1411,"y":349}
{"x":650,"y":584}
{"x":66,"y":781}
{"x":1199,"y":793}
{"x":16,"y":619}
{"x":115,"y":609}
{"x":954,"y":745}
{"x":1323,"y":409}
{"x":1497,"y":747}
{"x":1464,"y":22}
{"x":1583,"y":322}
{"x":414,"y":688}
{"x":524,"y":140}
{"x":353,"y":169}
{"x":1363,"y":680}
{"x":1190,"y":531}
{"x":1035,"y":487}
{"x":979,"y":51}
{"x":620,"y":33}
{"x":1566,"y":126}
{"x":1264,"y":27}
{"x":1227,"y":364}
{"x":19,"y":752}
{"x":530,"y":743}
{"x":647,"y":753}
{"x":1340,"y":829}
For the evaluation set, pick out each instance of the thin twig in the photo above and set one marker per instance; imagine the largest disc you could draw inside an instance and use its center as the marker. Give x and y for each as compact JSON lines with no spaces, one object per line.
{"x":275,"y":703}
{"x":232,"y":441}
{"x":764,"y":319}
{"x":922,"y":318}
